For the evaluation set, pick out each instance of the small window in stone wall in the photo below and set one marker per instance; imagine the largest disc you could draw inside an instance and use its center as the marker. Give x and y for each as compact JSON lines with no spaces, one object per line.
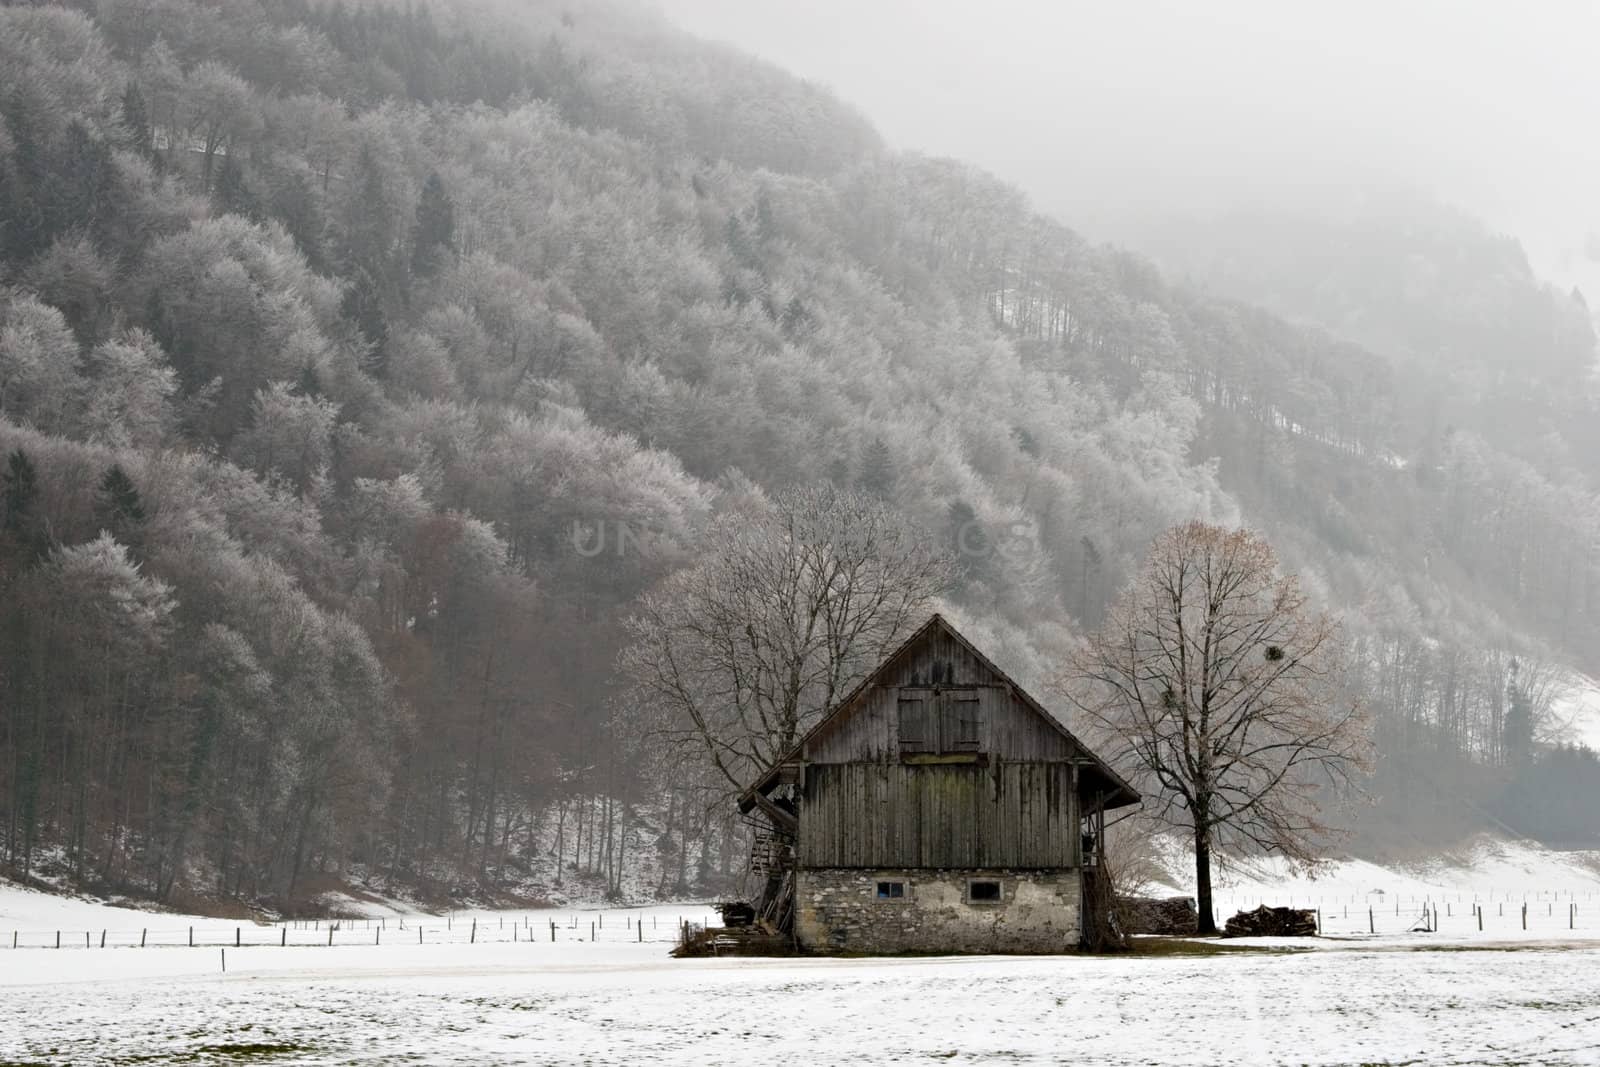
{"x":891,"y":890}
{"x":982,"y":892}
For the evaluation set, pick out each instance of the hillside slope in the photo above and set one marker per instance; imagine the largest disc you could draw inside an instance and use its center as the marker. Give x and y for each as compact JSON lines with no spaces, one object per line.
{"x":334,"y":338}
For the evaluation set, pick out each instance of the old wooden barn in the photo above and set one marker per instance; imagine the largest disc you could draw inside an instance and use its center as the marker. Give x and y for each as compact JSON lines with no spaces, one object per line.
{"x":937,"y":808}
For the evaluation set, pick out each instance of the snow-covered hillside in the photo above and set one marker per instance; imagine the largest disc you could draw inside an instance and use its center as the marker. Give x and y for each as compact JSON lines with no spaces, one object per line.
{"x":1575,"y":714}
{"x":1486,"y":866}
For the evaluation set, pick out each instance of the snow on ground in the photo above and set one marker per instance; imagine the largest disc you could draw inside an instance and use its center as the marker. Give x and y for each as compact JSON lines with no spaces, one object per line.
{"x":626,"y":1003}
{"x":1358,"y":896}
{"x":493,"y":988}
{"x":1576,"y":712}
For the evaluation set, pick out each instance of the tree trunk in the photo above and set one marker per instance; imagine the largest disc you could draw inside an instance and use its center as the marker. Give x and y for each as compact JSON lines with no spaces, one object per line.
{"x":1202,"y":881}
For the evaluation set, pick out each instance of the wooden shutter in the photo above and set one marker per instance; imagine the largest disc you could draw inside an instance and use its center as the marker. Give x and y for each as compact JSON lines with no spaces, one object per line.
{"x":967,"y":723}
{"x":916,"y":734}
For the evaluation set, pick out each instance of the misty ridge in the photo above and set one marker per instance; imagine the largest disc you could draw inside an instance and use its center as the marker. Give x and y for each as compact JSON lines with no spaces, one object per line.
{"x":382,"y":385}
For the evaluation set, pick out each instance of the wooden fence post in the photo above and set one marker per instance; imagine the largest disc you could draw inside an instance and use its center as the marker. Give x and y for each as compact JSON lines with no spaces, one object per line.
{"x":283,"y":942}
{"x":552,"y":929}
{"x":191,"y":937}
{"x":142,"y":934}
{"x":474,"y":939}
{"x":1372,"y":925}
{"x":235,"y":937}
{"x":102,"y":939}
{"x":331,"y":928}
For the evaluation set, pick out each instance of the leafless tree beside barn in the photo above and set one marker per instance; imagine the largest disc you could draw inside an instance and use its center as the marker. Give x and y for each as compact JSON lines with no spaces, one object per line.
{"x":1219,"y":685}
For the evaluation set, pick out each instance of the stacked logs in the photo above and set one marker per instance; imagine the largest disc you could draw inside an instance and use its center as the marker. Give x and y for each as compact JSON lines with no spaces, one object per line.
{"x":1170,"y":916}
{"x":1273,"y":922}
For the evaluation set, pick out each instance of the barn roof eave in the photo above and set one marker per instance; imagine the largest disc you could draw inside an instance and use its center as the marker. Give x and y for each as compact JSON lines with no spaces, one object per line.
{"x":1117,"y":793}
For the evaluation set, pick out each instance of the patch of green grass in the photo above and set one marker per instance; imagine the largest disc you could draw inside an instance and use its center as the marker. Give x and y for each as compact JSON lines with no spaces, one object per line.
{"x":1188,"y":946}
{"x":1504,"y":946}
{"x":231,"y":1052}
{"x":250,"y":1050}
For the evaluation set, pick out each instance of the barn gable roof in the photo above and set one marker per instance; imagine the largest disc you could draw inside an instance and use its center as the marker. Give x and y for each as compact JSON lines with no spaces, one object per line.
{"x":1116,"y":791}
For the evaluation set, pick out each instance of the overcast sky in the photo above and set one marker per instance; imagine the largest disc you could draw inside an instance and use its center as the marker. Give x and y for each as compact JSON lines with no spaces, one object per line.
{"x":1114,"y":108}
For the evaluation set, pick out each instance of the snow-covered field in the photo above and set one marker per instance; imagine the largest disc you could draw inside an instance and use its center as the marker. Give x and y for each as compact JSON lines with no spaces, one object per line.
{"x":1492,"y":875}
{"x":601,"y":995}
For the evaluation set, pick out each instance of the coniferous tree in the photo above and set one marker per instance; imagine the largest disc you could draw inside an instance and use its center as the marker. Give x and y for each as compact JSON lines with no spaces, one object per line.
{"x":435,"y":231}
{"x":363,"y":305}
{"x":232,"y":194}
{"x":136,"y":120}
{"x":294,"y":204}
{"x":119,"y":509}
{"x":969,"y":541}
{"x":83,"y":189}
{"x":877,"y":475}
{"x":1519,"y":722}
{"x":309,"y":382}
{"x":21,"y":490}
{"x":796,"y":319}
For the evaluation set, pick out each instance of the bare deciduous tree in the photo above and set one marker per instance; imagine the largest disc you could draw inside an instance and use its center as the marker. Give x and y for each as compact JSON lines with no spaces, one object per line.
{"x":792,"y":604}
{"x":1220,"y":686}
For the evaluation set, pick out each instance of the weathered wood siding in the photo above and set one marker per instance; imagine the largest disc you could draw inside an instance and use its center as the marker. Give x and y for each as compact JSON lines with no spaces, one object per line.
{"x":1010,"y":729}
{"x":890,"y":814}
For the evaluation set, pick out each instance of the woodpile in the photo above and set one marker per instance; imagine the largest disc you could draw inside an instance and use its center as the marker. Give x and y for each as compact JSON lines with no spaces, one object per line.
{"x":734,"y":941}
{"x":1273,"y":922}
{"x":736,"y":912}
{"x":1170,"y":916}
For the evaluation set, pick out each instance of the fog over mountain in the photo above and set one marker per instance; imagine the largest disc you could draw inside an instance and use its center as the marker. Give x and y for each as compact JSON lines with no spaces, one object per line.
{"x":1118,"y":116}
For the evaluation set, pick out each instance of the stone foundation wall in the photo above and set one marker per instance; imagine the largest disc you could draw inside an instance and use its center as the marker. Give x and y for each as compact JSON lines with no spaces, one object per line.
{"x":838,"y":910}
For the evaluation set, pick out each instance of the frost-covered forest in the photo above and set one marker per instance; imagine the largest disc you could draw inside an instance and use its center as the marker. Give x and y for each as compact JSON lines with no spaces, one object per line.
{"x":362,"y":365}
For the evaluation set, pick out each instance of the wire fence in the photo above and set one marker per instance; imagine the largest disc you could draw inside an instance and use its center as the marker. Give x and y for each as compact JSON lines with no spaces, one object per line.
{"x":1546,"y":914}
{"x":404,"y":930}
{"x":1539,"y":914}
